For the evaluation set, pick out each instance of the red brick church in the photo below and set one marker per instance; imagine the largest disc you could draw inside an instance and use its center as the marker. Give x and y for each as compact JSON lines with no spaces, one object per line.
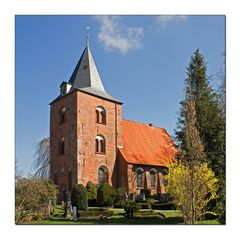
{"x":89,"y":140}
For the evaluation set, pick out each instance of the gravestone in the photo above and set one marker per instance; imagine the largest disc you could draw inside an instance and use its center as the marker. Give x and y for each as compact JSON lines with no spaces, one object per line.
{"x":75,"y":214}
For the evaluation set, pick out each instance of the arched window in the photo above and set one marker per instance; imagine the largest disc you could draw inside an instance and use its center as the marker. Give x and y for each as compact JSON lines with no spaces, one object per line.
{"x":62,"y":115}
{"x":164,"y":173}
{"x":139,"y":172}
{"x":62,"y":146}
{"x":100,"y":115}
{"x":97,"y":145}
{"x":153,"y":173}
{"x":102,"y":175}
{"x":97,"y":116}
{"x":100,"y":144}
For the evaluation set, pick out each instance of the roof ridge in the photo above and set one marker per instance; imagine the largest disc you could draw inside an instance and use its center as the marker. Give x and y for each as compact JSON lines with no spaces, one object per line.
{"x":154,"y":126}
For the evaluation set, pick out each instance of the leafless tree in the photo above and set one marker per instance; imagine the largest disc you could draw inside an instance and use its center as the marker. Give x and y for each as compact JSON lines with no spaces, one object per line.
{"x":41,"y":163}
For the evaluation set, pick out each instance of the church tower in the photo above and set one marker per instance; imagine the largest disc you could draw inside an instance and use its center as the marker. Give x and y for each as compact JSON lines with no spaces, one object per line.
{"x":85,"y":129}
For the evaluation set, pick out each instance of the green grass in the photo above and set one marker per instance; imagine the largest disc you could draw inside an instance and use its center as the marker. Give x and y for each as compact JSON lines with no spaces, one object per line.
{"x":172,"y":217}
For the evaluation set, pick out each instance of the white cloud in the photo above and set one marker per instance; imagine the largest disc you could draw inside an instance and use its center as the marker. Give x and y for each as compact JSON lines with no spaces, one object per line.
{"x":114,"y":35}
{"x":165,"y":19}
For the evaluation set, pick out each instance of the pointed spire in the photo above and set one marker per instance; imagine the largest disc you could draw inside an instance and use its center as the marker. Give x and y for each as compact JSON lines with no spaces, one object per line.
{"x":85,"y":76}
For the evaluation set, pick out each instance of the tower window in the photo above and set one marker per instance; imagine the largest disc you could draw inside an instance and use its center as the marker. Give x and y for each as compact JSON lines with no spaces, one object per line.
{"x":100,"y":115}
{"x":100,"y":144}
{"x":62,"y":146}
{"x":62,"y":115}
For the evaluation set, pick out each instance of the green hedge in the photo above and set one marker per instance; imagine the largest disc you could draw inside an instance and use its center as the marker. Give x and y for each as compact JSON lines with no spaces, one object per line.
{"x":144,"y":205}
{"x":149,"y":213}
{"x":163,"y":206}
{"x":81,"y":195}
{"x":105,"y":195}
{"x":95,"y":213}
{"x":130,"y":207}
{"x":118,"y":205}
{"x":98,"y":209}
{"x":92,"y":191}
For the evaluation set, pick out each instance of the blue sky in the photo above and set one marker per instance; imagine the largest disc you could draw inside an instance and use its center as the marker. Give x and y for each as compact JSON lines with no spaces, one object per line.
{"x":142,"y":61}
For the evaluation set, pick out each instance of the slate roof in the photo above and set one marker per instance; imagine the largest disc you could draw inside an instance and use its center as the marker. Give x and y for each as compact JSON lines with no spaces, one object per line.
{"x":86,"y":77}
{"x":144,"y":144}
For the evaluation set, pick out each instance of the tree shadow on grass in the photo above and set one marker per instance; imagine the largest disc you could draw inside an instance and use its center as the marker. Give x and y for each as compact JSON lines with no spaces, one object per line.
{"x":120,"y":221}
{"x":136,"y":221}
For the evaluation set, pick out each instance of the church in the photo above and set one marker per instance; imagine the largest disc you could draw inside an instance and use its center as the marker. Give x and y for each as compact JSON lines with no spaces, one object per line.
{"x":90,"y":141}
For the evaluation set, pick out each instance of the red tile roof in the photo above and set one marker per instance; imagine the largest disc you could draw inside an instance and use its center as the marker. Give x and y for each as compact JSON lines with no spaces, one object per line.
{"x":144,"y":144}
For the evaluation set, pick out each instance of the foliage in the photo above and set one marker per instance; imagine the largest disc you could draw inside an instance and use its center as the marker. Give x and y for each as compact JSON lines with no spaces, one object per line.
{"x":171,"y":217}
{"x":41,"y":163}
{"x":118,"y":205}
{"x":81,"y":196}
{"x":143,"y":205}
{"x":105,"y":195}
{"x":210,"y":120}
{"x":192,"y":151}
{"x":163,"y":206}
{"x":148,"y":214}
{"x":32,"y":198}
{"x":120,"y":195}
{"x":92,"y":190}
{"x":130,"y":207}
{"x":192,"y":188}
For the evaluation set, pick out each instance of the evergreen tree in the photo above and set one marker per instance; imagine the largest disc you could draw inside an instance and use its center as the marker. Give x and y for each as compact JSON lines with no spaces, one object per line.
{"x":210,"y":119}
{"x":92,"y":193}
{"x":92,"y":190}
{"x":192,"y":152}
{"x":81,"y":195}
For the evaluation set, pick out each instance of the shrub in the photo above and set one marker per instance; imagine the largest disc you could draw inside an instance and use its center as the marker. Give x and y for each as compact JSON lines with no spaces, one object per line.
{"x":37,"y":216}
{"x":92,"y":190}
{"x":33,"y":197}
{"x":163,"y":206}
{"x":92,"y":193}
{"x":120,"y":195}
{"x":118,"y":205}
{"x":147,"y":213}
{"x":193,"y":187}
{"x":82,"y":197}
{"x":105,"y":195}
{"x":130,"y":207}
{"x":143,"y":205}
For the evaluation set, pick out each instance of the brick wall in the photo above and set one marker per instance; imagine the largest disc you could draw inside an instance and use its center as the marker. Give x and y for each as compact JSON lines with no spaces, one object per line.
{"x":80,"y":160}
{"x":87,"y":129}
{"x":146,"y":184}
{"x":62,"y":166}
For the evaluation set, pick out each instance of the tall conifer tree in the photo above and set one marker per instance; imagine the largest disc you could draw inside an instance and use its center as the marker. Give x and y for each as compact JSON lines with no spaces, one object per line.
{"x":210,"y":119}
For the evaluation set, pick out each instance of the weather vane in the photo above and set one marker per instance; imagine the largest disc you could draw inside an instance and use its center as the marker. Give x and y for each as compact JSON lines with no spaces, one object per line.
{"x":87,"y":35}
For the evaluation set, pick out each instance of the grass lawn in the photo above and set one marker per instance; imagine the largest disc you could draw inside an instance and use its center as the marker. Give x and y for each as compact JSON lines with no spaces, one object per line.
{"x":172,"y":217}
